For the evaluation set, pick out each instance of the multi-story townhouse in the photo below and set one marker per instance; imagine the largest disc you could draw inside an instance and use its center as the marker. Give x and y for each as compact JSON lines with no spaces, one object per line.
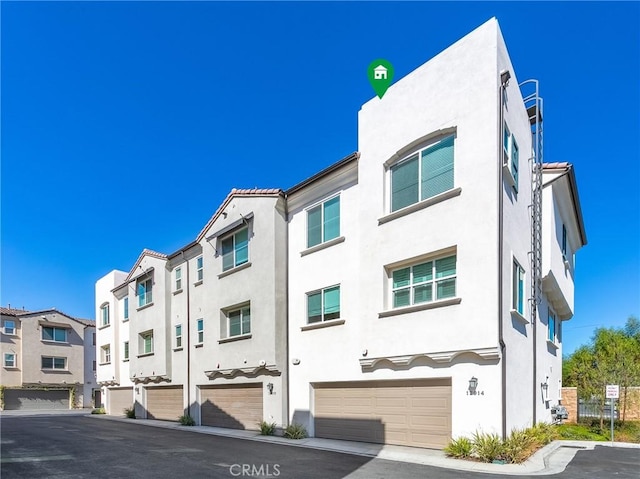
{"x":205,"y":328}
{"x":47,"y":360}
{"x":412,"y":292}
{"x":420,"y":307}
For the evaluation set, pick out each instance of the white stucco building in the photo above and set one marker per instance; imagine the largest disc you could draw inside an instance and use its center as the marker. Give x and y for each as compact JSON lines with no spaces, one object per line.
{"x":416,"y":288}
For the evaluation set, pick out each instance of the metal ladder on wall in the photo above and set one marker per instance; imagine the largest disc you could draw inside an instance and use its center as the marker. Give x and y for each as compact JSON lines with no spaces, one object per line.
{"x":534,"y":103}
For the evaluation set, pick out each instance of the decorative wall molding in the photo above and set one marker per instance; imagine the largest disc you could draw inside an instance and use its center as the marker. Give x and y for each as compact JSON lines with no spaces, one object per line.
{"x":442,"y":357}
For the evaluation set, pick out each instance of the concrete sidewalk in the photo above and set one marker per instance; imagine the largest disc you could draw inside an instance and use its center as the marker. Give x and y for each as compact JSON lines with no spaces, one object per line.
{"x":551,"y":459}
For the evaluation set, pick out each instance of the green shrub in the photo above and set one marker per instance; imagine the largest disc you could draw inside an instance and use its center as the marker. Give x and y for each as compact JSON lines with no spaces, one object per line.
{"x":186,"y":420}
{"x":99,"y":410}
{"x":267,"y":429}
{"x":543,"y":433}
{"x":518,"y":446}
{"x":295,"y":431}
{"x":579,"y":432}
{"x":460,"y":448}
{"x":487,"y":447}
{"x":130,"y":412}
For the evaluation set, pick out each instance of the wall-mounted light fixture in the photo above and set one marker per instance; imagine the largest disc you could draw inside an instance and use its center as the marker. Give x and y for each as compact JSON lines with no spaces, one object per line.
{"x":270,"y":387}
{"x":545,"y":389}
{"x":473,"y":384}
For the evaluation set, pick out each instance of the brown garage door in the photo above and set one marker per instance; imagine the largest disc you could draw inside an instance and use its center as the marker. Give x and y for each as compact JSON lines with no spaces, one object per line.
{"x":119,"y":399}
{"x":165,"y":403}
{"x":408,"y":413}
{"x":237,"y":407}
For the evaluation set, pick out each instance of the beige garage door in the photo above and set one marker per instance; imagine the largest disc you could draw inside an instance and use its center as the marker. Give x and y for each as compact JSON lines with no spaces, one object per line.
{"x":119,"y":399}
{"x":165,"y":403}
{"x":28,"y":399}
{"x":407,"y":413}
{"x":237,"y":407}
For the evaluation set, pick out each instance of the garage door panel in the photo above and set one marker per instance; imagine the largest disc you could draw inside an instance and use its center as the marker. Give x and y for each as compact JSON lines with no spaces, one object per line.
{"x":36,"y":399}
{"x":234,"y":407}
{"x":414,"y":413}
{"x":165,"y":403}
{"x":119,"y":399}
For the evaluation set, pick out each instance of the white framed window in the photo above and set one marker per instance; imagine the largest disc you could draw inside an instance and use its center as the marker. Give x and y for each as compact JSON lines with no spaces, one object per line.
{"x":9,"y":360}
{"x":518,"y":294}
{"x":235,"y":249}
{"x":199,"y":268}
{"x":9,"y":327}
{"x":105,"y":354}
{"x":239,"y":321}
{"x":551,"y":326}
{"x":323,"y":305}
{"x":178,"y":335}
{"x":200,"y":325}
{"x":145,"y":292}
{"x":146,"y":342}
{"x":104,"y":315}
{"x":58,"y":335}
{"x":178,"y":279}
{"x":323,"y":222}
{"x":424,"y":282}
{"x":563,"y":243}
{"x":511,"y":156}
{"x":49,"y":362}
{"x":94,"y":339}
{"x":424,"y":174}
{"x":125,"y":351}
{"x":125,"y":316}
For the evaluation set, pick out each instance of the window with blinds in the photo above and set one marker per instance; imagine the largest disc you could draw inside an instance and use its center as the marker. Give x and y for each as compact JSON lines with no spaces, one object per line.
{"x":323,"y":305}
{"x":423,"y":175}
{"x":424,"y":282}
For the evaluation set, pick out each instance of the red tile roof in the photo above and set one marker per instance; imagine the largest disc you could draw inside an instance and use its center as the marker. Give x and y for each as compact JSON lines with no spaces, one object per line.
{"x":11,"y":311}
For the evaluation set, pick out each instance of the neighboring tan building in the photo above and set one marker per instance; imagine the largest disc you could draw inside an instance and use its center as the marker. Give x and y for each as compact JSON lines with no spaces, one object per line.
{"x":47,"y":360}
{"x":412,"y":292}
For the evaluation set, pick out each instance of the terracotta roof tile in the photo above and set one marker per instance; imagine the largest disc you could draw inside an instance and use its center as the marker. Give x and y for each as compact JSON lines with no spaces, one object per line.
{"x":556,"y":165}
{"x":11,"y":311}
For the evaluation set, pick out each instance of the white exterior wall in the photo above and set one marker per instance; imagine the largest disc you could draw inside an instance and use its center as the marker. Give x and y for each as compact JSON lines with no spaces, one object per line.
{"x":108,"y":373}
{"x":262,"y":284}
{"x":436,"y":98}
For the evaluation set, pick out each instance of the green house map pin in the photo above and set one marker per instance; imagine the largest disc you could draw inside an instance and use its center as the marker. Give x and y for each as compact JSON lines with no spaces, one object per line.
{"x":380,"y":73}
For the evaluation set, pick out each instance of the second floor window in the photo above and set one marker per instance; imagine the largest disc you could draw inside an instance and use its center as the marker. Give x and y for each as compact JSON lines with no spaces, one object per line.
{"x":58,"y":335}
{"x":126,"y":350}
{"x":54,"y":363}
{"x":323,"y":222}
{"x":323,"y":305}
{"x":179,"y":336}
{"x":200,"y":331}
{"x":239,"y":322}
{"x":424,"y":282}
{"x":105,"y":354}
{"x":235,"y":249}
{"x":146,"y":342}
{"x":104,"y":315}
{"x":126,"y":309}
{"x":145,"y":287}
{"x":9,"y":360}
{"x":563,"y":244}
{"x":422,"y":175}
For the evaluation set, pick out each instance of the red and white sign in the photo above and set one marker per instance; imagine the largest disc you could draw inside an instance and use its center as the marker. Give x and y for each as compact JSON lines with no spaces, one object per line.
{"x":613,"y":391}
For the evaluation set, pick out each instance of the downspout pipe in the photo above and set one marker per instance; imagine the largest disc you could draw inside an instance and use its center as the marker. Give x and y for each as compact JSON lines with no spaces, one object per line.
{"x":286,"y":276}
{"x":503,"y":347}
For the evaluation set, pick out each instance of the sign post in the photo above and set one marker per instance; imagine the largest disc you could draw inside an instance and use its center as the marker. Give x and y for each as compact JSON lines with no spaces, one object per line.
{"x":613,"y":393}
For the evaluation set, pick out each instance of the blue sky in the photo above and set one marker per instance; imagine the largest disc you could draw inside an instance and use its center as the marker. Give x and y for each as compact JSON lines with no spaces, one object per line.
{"x":124,"y":125}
